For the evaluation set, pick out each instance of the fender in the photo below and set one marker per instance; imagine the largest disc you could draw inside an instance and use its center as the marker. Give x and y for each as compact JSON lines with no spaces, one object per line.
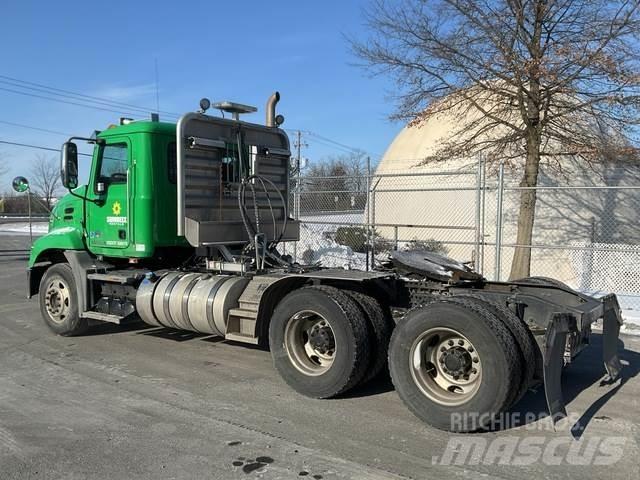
{"x":50,"y":249}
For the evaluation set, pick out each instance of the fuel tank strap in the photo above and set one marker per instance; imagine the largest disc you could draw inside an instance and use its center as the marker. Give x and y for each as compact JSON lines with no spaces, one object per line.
{"x":211,"y":298}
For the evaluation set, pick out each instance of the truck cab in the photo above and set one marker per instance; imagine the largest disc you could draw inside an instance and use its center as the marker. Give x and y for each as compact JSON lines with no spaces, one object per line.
{"x":127,"y":209}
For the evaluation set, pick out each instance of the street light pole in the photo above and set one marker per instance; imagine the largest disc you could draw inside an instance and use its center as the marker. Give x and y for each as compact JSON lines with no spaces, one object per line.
{"x":21,"y":185}
{"x":29,"y":208}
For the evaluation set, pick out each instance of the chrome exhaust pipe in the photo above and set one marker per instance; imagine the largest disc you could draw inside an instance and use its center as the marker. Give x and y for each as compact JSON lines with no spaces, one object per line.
{"x":271,"y":109}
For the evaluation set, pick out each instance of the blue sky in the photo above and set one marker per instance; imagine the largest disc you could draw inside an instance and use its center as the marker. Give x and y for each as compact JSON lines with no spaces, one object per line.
{"x":239,"y":51}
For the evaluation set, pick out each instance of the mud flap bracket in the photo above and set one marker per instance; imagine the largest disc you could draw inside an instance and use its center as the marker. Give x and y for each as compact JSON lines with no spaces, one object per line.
{"x":553,"y":361}
{"x":611,"y":322}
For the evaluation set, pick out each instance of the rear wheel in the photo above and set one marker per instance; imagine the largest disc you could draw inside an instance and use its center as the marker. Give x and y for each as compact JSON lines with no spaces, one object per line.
{"x":522,"y":336}
{"x":319,"y":341}
{"x":59,"y":301}
{"x":454,"y":364}
{"x":380,"y":330}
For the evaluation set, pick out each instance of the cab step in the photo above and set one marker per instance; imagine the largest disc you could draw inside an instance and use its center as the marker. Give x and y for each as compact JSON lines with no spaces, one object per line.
{"x":123,"y":277}
{"x":105,"y":317}
{"x":241,"y":326}
{"x":237,"y":337}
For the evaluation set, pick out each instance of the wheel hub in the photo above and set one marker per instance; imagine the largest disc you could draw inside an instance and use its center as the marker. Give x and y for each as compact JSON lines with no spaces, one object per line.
{"x":456,"y":361}
{"x":310,"y":342}
{"x":446,"y":366}
{"x":56,"y":300}
{"x":321,"y":339}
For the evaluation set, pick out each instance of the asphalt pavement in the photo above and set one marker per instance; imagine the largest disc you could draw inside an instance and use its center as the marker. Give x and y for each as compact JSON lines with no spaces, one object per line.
{"x":141,"y":402}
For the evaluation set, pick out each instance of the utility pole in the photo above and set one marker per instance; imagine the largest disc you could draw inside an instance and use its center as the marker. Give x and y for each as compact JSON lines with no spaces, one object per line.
{"x":298,"y":144}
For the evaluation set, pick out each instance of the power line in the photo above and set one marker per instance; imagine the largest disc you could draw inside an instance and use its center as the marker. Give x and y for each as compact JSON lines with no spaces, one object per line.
{"x":69,"y":97}
{"x":348,"y":147}
{"x":328,"y":142}
{"x":39,"y":147}
{"x":36,"y":128}
{"x":82,"y":96}
{"x":62,"y":95}
{"x":67,"y":102}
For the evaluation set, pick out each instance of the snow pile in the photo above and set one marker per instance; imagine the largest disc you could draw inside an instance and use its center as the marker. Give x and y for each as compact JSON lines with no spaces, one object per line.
{"x":316,"y":246}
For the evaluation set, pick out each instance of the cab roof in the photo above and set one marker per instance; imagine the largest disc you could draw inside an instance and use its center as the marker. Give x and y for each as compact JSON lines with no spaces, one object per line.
{"x":161,"y":128}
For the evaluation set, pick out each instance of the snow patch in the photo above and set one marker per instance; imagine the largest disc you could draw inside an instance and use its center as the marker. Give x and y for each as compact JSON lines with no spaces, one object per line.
{"x":23,"y":228}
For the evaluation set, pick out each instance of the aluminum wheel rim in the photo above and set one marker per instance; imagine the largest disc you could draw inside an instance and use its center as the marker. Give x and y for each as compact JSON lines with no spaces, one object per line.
{"x":445,"y":366}
{"x":57,"y":300}
{"x":310,"y":342}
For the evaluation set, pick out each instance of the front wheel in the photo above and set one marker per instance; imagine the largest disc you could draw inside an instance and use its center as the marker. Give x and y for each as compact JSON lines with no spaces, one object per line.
{"x":59,"y":301}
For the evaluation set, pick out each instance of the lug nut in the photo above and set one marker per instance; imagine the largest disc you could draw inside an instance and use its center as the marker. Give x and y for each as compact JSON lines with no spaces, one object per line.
{"x":443,"y":349}
{"x":476,"y":359}
{"x":470,"y":348}
{"x":474,"y":371}
{"x":460,"y":342}
{"x":450,"y":342}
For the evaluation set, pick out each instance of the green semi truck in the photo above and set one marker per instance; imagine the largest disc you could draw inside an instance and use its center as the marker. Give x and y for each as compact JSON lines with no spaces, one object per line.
{"x":180,"y":225}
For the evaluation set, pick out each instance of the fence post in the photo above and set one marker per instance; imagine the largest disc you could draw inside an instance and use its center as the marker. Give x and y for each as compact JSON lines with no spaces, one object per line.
{"x":484,"y":214}
{"x":477,"y":255}
{"x":500,"y":191}
{"x":373,"y":226}
{"x":368,"y":212}
{"x":296,"y":205}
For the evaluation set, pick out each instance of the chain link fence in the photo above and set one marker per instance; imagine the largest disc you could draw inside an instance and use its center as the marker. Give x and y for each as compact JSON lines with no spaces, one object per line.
{"x":586,"y":230}
{"x":354,"y":222}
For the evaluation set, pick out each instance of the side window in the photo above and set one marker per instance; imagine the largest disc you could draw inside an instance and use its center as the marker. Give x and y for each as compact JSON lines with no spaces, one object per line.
{"x":113,"y":163}
{"x":172,"y":163}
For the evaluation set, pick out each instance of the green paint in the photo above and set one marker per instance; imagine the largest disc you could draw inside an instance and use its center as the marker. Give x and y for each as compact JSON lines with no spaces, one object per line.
{"x":136,"y":213}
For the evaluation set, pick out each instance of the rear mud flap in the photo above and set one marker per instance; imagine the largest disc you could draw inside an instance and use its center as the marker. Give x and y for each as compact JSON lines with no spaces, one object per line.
{"x":555,"y":343}
{"x":610,"y":331}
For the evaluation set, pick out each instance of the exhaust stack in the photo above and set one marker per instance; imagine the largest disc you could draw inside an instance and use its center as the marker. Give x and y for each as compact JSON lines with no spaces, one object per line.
{"x":271,"y":109}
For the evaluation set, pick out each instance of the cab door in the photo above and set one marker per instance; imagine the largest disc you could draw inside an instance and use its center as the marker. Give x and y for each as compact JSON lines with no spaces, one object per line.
{"x":108,"y":215}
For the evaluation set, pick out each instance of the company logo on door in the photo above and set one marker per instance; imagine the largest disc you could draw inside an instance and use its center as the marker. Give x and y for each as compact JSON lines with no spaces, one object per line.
{"x":117,"y":219}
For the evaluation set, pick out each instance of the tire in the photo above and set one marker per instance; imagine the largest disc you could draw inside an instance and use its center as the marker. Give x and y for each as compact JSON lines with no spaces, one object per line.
{"x":324,"y":370}
{"x":380,"y":330}
{"x":59,"y":301}
{"x":523,"y":338}
{"x":422,"y":335}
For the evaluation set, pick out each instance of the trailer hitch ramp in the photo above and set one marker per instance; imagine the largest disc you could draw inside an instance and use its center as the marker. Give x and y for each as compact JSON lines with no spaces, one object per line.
{"x":555,"y":342}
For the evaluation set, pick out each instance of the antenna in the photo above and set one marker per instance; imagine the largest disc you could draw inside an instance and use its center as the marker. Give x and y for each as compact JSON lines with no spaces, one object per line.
{"x":157,"y":86}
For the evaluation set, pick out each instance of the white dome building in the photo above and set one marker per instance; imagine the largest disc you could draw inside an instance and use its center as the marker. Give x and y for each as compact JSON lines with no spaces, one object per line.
{"x":414,"y":201}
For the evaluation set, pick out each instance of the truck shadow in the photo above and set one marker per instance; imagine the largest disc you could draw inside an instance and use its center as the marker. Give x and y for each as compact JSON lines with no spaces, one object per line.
{"x":584,"y":372}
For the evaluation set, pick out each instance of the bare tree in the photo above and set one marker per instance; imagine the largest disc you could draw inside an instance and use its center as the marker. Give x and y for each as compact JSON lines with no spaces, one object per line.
{"x":3,"y":166}
{"x":45,"y":179}
{"x":532,"y":81}
{"x":339,"y":181}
